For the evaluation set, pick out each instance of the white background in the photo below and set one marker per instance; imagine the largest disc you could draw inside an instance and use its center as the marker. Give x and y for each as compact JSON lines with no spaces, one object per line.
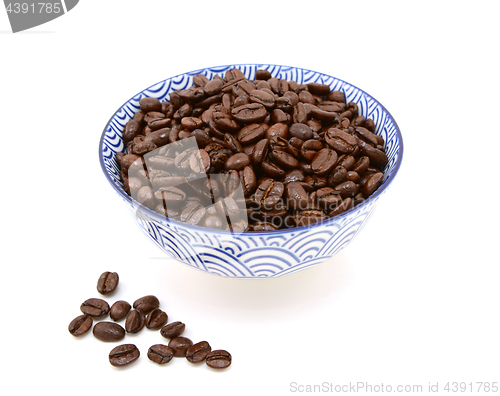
{"x":413,"y":299}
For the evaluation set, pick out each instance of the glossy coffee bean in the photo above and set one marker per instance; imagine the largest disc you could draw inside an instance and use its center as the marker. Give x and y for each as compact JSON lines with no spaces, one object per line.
{"x":123,"y":355}
{"x":324,"y":161}
{"x":119,"y":310}
{"x":80,"y":325}
{"x":135,"y":321}
{"x":95,"y":307}
{"x":146,"y":304}
{"x":107,"y":282}
{"x":172,"y":330}
{"x":180,"y":345}
{"x":108,"y":331}
{"x":156,"y":319}
{"x":197,"y":353}
{"x":219,"y":359}
{"x":160,"y":353}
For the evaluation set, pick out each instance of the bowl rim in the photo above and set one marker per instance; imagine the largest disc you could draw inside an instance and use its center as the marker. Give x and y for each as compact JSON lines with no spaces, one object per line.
{"x":326,"y":222}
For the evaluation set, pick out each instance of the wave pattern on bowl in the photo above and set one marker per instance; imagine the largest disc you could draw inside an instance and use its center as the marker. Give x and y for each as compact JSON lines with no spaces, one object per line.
{"x":251,"y":255}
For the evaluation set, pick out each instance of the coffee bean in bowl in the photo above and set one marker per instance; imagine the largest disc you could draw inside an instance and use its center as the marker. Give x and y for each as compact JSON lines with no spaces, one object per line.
{"x":208,"y":169}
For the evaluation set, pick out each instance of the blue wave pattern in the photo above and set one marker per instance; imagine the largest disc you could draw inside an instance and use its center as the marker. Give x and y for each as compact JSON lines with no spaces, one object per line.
{"x":250,"y":255}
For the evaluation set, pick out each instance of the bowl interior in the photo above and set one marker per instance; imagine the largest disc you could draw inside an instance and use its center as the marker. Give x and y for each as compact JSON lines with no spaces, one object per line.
{"x":111,"y":139}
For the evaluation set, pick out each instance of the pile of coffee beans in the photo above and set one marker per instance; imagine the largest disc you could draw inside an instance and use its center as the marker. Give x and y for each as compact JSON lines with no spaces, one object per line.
{"x":297,"y":153}
{"x":145,"y":311}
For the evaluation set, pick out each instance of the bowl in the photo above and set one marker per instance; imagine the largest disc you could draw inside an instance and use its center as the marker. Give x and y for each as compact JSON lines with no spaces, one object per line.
{"x":254,"y":254}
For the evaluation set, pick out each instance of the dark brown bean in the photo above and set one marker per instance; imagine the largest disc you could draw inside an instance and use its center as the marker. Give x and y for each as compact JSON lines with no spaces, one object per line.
{"x":123,"y":355}
{"x":180,"y":345}
{"x":80,"y":325}
{"x":251,"y":134}
{"x":374,"y":182}
{"x":135,"y":321}
{"x":156,"y":319}
{"x":107,"y":282}
{"x":197,"y":353}
{"x":108,"y":331}
{"x":219,"y":359}
{"x":119,"y":310}
{"x":160,"y":353}
{"x":238,"y":161}
{"x":146,"y":304}
{"x":95,"y":307}
{"x":149,"y":104}
{"x":324,"y":161}
{"x":296,"y":196}
{"x":172,"y":330}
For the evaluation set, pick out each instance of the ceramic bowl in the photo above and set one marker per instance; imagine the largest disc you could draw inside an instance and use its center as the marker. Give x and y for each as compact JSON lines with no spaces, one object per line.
{"x":252,"y":254}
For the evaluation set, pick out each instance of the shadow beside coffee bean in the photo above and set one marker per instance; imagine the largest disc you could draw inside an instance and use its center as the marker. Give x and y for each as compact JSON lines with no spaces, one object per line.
{"x":145,"y":311}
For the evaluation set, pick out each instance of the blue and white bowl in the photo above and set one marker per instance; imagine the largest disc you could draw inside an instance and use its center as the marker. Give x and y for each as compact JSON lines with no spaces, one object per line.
{"x":252,"y":254}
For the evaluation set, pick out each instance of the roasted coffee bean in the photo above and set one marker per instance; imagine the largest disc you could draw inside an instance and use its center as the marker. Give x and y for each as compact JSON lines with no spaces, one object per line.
{"x":260,"y":151}
{"x":197,"y":353}
{"x":284,"y":160}
{"x":328,"y":198}
{"x":146,"y":197}
{"x":135,"y":321}
{"x":361,"y":165}
{"x":160,"y":353}
{"x":248,"y":181}
{"x":131,"y":130}
{"x":345,"y":205}
{"x":269,"y":193}
{"x":308,"y":216}
{"x":251,"y":134}
{"x":218,"y":359}
{"x":172,"y":330}
{"x":180,"y":345}
{"x":347,"y":189}
{"x":213,"y":221}
{"x":279,"y":129}
{"x":324,"y":161}
{"x":301,"y":131}
{"x":193,"y":213}
{"x":296,"y":196}
{"x":156,"y":319}
{"x":170,"y":195}
{"x":95,"y":307}
{"x":374,"y":182}
{"x":146,"y":304}
{"x":262,"y":97}
{"x":237,"y":161}
{"x":272,"y":170}
{"x":340,"y":141}
{"x":318,"y":88}
{"x":123,"y":355}
{"x":346,"y":161}
{"x":107,"y":282}
{"x":264,"y":226}
{"x":80,"y":325}
{"x":316,"y":182}
{"x":108,"y":331}
{"x":232,"y":143}
{"x":310,"y":148}
{"x":250,"y":113}
{"x":149,"y":104}
{"x":119,"y":310}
